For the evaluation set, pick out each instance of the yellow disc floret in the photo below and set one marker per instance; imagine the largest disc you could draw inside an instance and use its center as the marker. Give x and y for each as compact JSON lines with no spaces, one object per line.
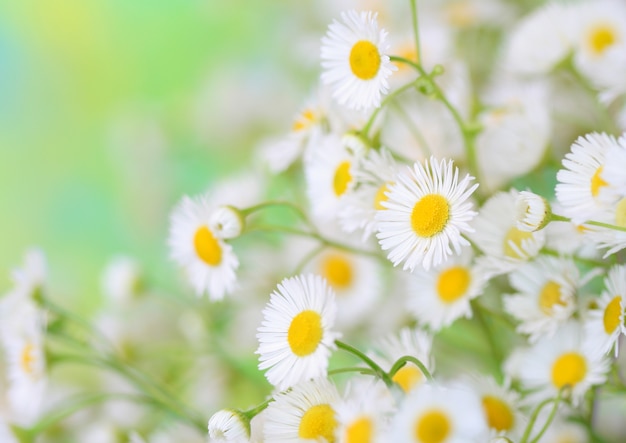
{"x":430,"y":215}
{"x":453,"y":283}
{"x":360,"y":430}
{"x":337,"y":269}
{"x":550,"y":295}
{"x":407,"y":377}
{"x":305,"y":333}
{"x":207,"y":246}
{"x":318,"y":423}
{"x":612,"y":315}
{"x":601,"y":37}
{"x":364,"y":60}
{"x":498,"y":413}
{"x":597,"y":182}
{"x":342,"y":178}
{"x":516,"y":237}
{"x":569,"y":369}
{"x":432,"y":427}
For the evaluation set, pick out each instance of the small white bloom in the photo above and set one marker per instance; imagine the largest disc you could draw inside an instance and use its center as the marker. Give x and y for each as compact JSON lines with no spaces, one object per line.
{"x":121,"y":279}
{"x":229,"y":425}
{"x":207,"y":260}
{"x":532,"y":211}
{"x":296,"y":337}
{"x":227,"y":221}
{"x":355,"y":62}
{"x":426,"y":213}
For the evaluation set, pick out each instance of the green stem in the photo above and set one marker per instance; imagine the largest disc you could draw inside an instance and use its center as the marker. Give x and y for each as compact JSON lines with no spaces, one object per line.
{"x":368,"y":361}
{"x":408,"y":358}
{"x":251,"y":413}
{"x":495,"y":350}
{"x":392,"y":95}
{"x":364,"y":371}
{"x":555,"y":217}
{"x":586,"y":261}
{"x":416,"y":33}
{"x":546,"y":425}
{"x":273,"y":203}
{"x":535,"y":415}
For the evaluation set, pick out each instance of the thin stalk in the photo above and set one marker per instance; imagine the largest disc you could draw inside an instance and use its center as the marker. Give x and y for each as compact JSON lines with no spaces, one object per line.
{"x":550,"y":418}
{"x":364,"y":371}
{"x":416,"y":33}
{"x":368,"y":361}
{"x":278,"y":203}
{"x":495,"y":350}
{"x":555,"y":217}
{"x":251,"y":413}
{"x":392,"y":95}
{"x":408,"y":358}
{"x":535,"y":415}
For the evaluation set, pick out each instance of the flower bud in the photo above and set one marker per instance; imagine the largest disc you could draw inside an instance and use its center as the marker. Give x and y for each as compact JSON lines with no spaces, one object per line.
{"x":227,"y":222}
{"x":229,"y":425}
{"x":532,"y":212}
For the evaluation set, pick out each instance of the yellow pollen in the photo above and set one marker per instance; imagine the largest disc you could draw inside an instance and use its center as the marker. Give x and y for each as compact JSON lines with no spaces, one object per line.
{"x":382,"y":197}
{"x":569,"y":369}
{"x":27,"y":358}
{"x":305,"y":333}
{"x":517,"y":237}
{"x":597,"y":182}
{"x":407,"y":377}
{"x":318,"y":422}
{"x":207,"y":247}
{"x":432,"y":427}
{"x":304,"y":120}
{"x":550,"y":295}
{"x":430,"y":215}
{"x":364,"y":60}
{"x":612,"y":314}
{"x":620,"y":213}
{"x":499,"y":415}
{"x":453,"y":283}
{"x":337,"y":269}
{"x":360,"y":430}
{"x":601,"y":38}
{"x":342,"y":178}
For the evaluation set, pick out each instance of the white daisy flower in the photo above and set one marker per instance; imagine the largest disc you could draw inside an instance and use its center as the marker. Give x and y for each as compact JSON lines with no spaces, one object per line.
{"x":581,"y":188}
{"x":546,"y":296}
{"x":229,"y":425}
{"x":329,"y":176}
{"x":605,"y":324}
{"x":426,"y":214}
{"x":613,"y":171}
{"x":440,"y":296}
{"x":412,"y":342}
{"x":532,"y":211}
{"x":355,"y":62}
{"x":121,"y":279}
{"x":501,"y":407}
{"x":374,"y":175}
{"x":432,"y":413}
{"x":295,"y":338}
{"x":354,"y":278}
{"x":562,"y":430}
{"x":363,"y":415}
{"x":305,"y":413}
{"x":560,"y":361}
{"x":497,"y":235}
{"x":208,"y":261}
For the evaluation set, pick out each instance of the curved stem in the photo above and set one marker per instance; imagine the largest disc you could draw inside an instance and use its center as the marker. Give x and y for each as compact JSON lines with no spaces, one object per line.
{"x":368,"y":361}
{"x":251,"y":413}
{"x":392,"y":95}
{"x":408,"y":358}
{"x":364,"y":371}
{"x":535,"y":415}
{"x":543,"y":429}
{"x":555,"y":217}
{"x":278,"y":203}
{"x":416,"y":33}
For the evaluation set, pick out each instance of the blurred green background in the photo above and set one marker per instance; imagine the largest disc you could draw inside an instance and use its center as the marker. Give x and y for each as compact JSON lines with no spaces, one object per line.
{"x":110,"y":110}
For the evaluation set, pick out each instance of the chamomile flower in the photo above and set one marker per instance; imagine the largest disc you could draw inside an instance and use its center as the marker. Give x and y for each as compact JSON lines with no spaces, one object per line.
{"x":355,"y":62}
{"x":296,"y":337}
{"x":229,"y":425}
{"x":546,"y":296}
{"x":374,"y":175}
{"x":439,"y":296}
{"x":606,"y":323}
{"x":426,"y":213}
{"x":208,"y":261}
{"x":305,"y":413}
{"x":581,"y":188}
{"x":329,"y":176}
{"x":412,"y":342}
{"x":354,"y":279}
{"x":432,"y":413}
{"x":362,"y":416}
{"x":496,"y":234}
{"x":561,"y":361}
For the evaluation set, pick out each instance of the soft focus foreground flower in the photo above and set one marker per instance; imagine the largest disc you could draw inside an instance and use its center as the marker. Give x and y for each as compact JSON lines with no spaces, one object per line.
{"x":228,"y":425}
{"x":355,"y":61}
{"x":532,"y":212}
{"x":425,"y":215}
{"x":296,"y":337}
{"x":207,"y":260}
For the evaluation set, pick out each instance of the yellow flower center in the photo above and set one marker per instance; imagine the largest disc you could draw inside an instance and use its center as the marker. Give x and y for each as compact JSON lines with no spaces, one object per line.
{"x":432,"y":427}
{"x":550,"y":295}
{"x":207,"y":247}
{"x":381,"y":197}
{"x":430,"y":215}
{"x":569,"y":369}
{"x":453,"y":283}
{"x":612,"y":314}
{"x":337,"y":269}
{"x":516,"y":237}
{"x":303,"y":121}
{"x":27,"y":358}
{"x":318,"y":422}
{"x":360,"y":430}
{"x":407,"y":377}
{"x":364,"y":60}
{"x":342,"y":178}
{"x":601,"y":37}
{"x":620,"y":213}
{"x":305,"y":333}
{"x":597,"y":182}
{"x":499,"y":414}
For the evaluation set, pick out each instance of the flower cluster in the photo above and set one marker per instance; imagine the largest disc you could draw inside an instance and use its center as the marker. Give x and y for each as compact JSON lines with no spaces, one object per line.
{"x":462,"y":222}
